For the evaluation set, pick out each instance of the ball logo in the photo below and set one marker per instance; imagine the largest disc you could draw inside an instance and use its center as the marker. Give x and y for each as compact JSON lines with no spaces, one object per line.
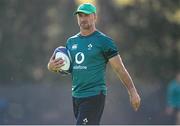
{"x":79,"y":58}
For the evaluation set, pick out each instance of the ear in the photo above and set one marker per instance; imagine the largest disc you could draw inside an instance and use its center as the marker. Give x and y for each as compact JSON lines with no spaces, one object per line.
{"x":95,"y":17}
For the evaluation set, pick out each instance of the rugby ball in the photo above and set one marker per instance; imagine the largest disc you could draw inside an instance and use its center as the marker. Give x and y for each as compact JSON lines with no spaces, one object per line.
{"x":63,"y":53}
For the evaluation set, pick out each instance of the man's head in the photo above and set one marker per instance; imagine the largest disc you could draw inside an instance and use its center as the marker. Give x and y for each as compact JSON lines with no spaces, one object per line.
{"x":178,"y":77}
{"x":86,"y":16}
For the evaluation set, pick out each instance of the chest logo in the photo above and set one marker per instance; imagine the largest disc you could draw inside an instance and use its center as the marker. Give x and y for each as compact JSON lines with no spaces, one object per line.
{"x":89,"y":46}
{"x":79,"y":57}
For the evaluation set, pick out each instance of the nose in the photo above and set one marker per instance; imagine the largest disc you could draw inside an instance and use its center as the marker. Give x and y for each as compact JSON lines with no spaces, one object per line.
{"x":83,"y":19}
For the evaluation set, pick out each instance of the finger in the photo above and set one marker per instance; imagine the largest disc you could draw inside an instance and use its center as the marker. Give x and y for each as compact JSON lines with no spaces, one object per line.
{"x":136,"y":106}
{"x":59,"y":62}
{"x":59,"y":66}
{"x":53,"y":56}
{"x":58,"y":59}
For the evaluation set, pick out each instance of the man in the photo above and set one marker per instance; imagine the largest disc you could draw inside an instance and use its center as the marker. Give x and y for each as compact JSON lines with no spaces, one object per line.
{"x":90,"y":51}
{"x":173,"y":98}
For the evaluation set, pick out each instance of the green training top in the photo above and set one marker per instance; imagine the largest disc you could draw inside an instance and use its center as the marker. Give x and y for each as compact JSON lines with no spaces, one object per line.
{"x":89,"y":55}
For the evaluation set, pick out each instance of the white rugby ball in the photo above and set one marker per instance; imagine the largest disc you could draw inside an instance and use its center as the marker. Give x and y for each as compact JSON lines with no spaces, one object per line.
{"x":62,"y":52}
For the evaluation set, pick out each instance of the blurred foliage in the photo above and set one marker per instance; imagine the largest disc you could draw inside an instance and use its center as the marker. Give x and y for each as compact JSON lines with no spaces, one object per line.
{"x":148,"y":39}
{"x":147,"y":33}
{"x":78,"y":2}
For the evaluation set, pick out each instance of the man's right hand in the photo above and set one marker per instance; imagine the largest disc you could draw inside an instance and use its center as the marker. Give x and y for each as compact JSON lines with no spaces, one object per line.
{"x":134,"y":99}
{"x":55,"y":64}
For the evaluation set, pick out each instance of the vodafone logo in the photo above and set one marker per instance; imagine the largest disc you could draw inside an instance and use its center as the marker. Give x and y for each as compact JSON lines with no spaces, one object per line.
{"x":79,"y":57}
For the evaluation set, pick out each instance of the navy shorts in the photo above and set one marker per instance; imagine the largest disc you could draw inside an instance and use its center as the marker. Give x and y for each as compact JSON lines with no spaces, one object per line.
{"x":88,"y":111}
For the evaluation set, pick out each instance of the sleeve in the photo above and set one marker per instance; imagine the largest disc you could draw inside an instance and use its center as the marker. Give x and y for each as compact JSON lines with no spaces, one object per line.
{"x":109,"y":48}
{"x":68,"y":43}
